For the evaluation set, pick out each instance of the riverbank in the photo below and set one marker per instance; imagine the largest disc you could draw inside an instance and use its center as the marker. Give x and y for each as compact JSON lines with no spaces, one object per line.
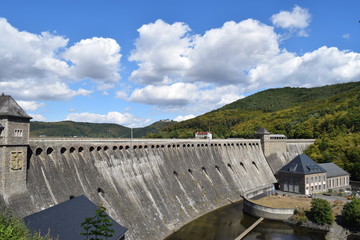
{"x":303,"y":204}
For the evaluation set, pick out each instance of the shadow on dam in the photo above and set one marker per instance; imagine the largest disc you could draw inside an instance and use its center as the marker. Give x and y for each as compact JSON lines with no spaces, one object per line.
{"x":229,"y":222}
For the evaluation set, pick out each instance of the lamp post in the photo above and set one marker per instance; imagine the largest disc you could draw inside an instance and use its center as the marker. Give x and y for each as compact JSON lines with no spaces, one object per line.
{"x":131,"y":136}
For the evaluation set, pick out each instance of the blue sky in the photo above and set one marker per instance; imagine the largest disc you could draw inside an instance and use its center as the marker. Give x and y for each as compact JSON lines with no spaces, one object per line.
{"x":136,"y":62}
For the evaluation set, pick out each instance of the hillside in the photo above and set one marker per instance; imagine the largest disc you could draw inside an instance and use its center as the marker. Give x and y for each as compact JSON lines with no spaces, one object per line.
{"x":276,"y":109}
{"x":331,"y":114}
{"x":96,"y":130}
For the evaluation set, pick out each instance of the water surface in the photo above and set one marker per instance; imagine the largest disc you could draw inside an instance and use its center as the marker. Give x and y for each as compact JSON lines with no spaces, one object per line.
{"x":229,"y":222}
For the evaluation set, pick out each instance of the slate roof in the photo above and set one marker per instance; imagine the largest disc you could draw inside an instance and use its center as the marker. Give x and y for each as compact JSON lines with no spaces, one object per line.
{"x":9,"y":107}
{"x":333,"y":170}
{"x":262,"y":131}
{"x":64,"y":220}
{"x":302,"y":164}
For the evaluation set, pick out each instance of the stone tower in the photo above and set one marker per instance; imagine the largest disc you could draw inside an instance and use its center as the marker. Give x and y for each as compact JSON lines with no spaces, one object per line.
{"x":273,"y":145}
{"x":264,"y":136}
{"x":14,"y":143}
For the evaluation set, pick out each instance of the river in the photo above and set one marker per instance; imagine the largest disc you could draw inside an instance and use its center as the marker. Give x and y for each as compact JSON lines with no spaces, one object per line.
{"x":229,"y":222}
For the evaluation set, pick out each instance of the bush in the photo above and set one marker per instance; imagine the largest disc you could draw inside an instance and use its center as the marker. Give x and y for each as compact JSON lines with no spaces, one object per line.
{"x":351,"y":213}
{"x":300,"y":216}
{"x":321,"y":212}
{"x":12,"y":228}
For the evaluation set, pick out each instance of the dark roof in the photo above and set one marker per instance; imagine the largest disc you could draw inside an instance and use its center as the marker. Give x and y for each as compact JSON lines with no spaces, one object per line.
{"x":262,"y":131}
{"x":64,"y":220}
{"x":302,"y":164}
{"x":333,"y":170}
{"x":9,"y":107}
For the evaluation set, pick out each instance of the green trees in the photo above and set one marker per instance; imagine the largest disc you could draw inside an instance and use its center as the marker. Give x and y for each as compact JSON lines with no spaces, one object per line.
{"x":321,"y":212}
{"x":351,"y":213}
{"x":12,"y":228}
{"x":97,"y":226}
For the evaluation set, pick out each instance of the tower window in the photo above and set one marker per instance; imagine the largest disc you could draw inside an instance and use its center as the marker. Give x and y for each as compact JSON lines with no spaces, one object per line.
{"x":18,"y":132}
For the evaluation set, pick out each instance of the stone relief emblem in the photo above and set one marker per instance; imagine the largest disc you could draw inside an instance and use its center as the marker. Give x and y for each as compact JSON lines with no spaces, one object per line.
{"x":16,"y":160}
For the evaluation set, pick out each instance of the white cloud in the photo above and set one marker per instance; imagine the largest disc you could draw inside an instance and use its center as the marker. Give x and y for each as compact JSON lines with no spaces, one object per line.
{"x":183,"y":118}
{"x":225,"y":54}
{"x":184,"y":97}
{"x":176,"y":94}
{"x":97,"y":59}
{"x":38,"y":117}
{"x":208,"y":71}
{"x":299,"y":18}
{"x":32,"y":66}
{"x":125,"y":119}
{"x":168,"y":53}
{"x":320,"y":67}
{"x":30,"y":105}
{"x":161,"y":51}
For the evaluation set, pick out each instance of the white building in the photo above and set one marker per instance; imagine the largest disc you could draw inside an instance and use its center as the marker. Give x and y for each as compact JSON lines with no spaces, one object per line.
{"x":203,"y":135}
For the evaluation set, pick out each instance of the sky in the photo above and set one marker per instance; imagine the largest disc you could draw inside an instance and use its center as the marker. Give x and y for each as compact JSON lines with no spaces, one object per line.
{"x":136,"y":62}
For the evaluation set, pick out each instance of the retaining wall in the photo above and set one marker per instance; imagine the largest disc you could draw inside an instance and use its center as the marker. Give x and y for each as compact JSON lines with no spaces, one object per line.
{"x":258,"y":210}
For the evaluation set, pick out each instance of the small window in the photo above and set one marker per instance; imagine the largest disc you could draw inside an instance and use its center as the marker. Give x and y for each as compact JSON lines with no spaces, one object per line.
{"x":18,"y":132}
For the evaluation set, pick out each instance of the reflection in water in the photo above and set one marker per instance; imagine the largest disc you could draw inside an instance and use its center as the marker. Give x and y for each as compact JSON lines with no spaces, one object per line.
{"x":229,"y":222}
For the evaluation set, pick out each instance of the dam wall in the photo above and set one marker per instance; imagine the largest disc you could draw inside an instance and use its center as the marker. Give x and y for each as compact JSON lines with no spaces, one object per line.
{"x":283,"y":151}
{"x":152,"y":187}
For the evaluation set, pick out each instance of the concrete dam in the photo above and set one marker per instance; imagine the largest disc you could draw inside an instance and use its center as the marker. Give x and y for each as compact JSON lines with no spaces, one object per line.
{"x":153,"y":187}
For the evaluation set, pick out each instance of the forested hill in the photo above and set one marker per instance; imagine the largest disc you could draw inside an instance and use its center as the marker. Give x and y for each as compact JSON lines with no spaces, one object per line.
{"x":282,"y":110}
{"x":331,"y":114}
{"x":95,"y":130}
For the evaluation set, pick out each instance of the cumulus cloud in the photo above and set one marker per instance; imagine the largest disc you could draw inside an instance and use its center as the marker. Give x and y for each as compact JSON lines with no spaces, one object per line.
{"x":30,"y":105}
{"x":184,"y":97}
{"x":167,"y":53}
{"x":41,"y":67}
{"x":125,"y":119}
{"x":320,"y":67}
{"x":224,"y":55}
{"x":173,"y":95}
{"x":161,"y":51}
{"x":97,"y":59}
{"x":37,"y":117}
{"x":193,"y":73}
{"x":299,"y":18}
{"x":183,"y":118}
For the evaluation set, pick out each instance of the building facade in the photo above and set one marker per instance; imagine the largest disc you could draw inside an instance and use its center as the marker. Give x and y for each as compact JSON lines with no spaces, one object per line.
{"x":336,"y":178}
{"x":302,"y":175}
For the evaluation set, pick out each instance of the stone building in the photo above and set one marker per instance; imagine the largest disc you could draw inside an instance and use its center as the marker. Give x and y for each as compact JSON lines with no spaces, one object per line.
{"x":203,"y":135}
{"x":302,"y":175}
{"x":337,"y":178}
{"x":14,"y":143}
